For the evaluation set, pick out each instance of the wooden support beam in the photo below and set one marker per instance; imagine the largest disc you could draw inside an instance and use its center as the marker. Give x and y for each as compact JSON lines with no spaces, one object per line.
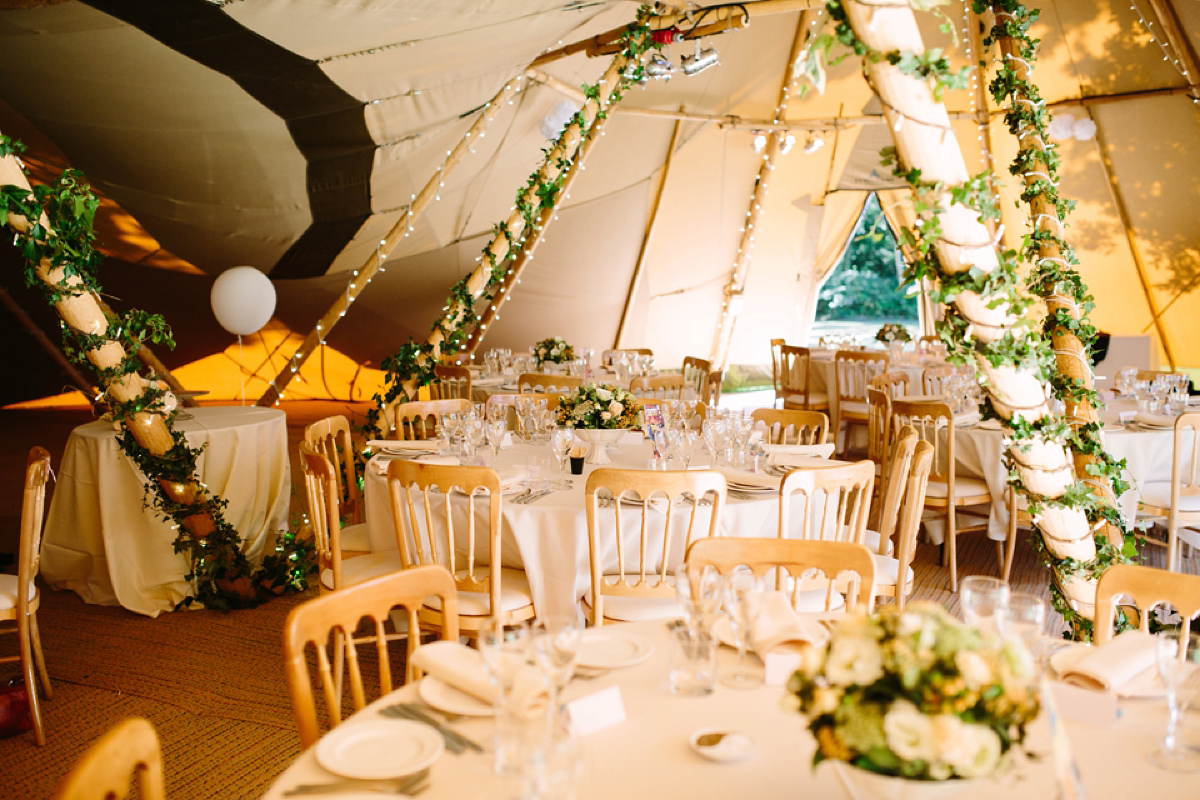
{"x":1180,"y":44}
{"x":364,"y":274}
{"x":741,"y":265}
{"x":639,"y":267}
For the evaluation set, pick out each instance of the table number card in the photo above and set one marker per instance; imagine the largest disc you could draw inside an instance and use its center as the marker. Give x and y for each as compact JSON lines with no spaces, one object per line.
{"x":653,"y":420}
{"x":596,"y":711}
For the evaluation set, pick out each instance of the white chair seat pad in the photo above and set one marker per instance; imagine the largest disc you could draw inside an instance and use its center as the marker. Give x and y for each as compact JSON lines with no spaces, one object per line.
{"x":887,"y":568}
{"x":514,"y":594}
{"x":1158,"y":493}
{"x":356,"y":538}
{"x":871,"y":540}
{"x":855,"y":407}
{"x":963,"y":487}
{"x":814,"y":399}
{"x":360,"y":568}
{"x":638,"y":609}
{"x":8,"y":592}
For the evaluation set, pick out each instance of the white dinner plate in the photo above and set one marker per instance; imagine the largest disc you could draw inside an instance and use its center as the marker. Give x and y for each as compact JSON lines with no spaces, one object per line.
{"x":746,"y":488}
{"x":378,"y":749}
{"x":608,"y":649}
{"x":1147,"y":684}
{"x":445,"y":697}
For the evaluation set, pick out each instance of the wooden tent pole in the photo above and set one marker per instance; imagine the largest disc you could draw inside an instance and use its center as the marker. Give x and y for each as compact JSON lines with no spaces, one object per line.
{"x":926,"y":141}
{"x":762,"y":183}
{"x":76,"y":377}
{"x":156,"y":365}
{"x":363,"y":275}
{"x":506,"y":245}
{"x":1118,"y":199}
{"x":645,"y":248}
{"x":1180,"y":43}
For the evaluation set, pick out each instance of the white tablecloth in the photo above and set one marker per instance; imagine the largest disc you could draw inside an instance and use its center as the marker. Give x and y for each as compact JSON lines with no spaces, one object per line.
{"x":103,"y":544}
{"x":648,"y":756}
{"x":549,"y":537}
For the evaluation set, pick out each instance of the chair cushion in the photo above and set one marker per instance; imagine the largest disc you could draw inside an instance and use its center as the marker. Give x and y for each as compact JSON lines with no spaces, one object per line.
{"x":638,"y":609}
{"x":963,"y":487}
{"x":854,"y":408}
{"x":360,"y":568}
{"x":814,"y":399}
{"x":8,"y":592}
{"x":356,"y":538}
{"x":871,"y":540}
{"x":886,"y":569}
{"x":1158,"y":493}
{"x":514,"y":594}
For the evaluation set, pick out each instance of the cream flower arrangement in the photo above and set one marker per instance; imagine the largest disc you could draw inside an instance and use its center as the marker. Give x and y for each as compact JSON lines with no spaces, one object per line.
{"x":892,"y":332}
{"x":916,"y":694}
{"x":598,"y":407}
{"x":553,"y":351}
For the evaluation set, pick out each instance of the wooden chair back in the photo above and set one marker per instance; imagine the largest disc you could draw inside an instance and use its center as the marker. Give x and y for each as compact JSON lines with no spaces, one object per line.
{"x":894,"y":479}
{"x":658,"y":387}
{"x":776,"y":367}
{"x":539,"y":382}
{"x":854,"y":370}
{"x":791,"y":426}
{"x":837,"y":502}
{"x":324,"y":515}
{"x":697,"y":373}
{"x":645,"y":557}
{"x":924,"y":343}
{"x":419,"y":419}
{"x":715,"y":379}
{"x":934,"y":423}
{"x":606,"y":356}
{"x":894,"y":383}
{"x":933,"y":379}
{"x":1146,"y":588}
{"x":1151,"y":374}
{"x":332,"y":438}
{"x":795,"y":374}
{"x":509,"y":401}
{"x":909,"y":522}
{"x":879,"y":428}
{"x":339,"y":616}
{"x":807,"y":562}
{"x":125,"y":759}
{"x":453,"y":383}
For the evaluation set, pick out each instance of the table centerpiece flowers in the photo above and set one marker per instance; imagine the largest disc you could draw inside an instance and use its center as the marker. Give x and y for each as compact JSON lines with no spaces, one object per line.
{"x":553,"y":351}
{"x":893,"y":332}
{"x":915,"y":695}
{"x":600,"y":414}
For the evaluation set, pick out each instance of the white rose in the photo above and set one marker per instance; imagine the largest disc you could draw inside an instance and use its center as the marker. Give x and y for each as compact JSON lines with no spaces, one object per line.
{"x":974,"y":668}
{"x":825,"y":701}
{"x":973,"y":750}
{"x":604,"y":415}
{"x":853,"y":660}
{"x":615,"y":408}
{"x":909,"y":732}
{"x":909,"y":623}
{"x":604,"y":394}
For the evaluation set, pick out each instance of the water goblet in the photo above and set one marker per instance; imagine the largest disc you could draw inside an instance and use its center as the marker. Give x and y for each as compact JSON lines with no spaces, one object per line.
{"x":980,"y":597}
{"x":713,"y":432}
{"x":700,"y":591}
{"x":506,"y":651}
{"x":1177,"y":656}
{"x":555,"y":641}
{"x":690,"y":437}
{"x":561,"y":440}
{"x":743,"y":595}
{"x":495,"y":430}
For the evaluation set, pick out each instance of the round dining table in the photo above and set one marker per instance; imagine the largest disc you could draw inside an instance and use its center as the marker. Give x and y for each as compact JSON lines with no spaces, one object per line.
{"x":105,"y":543}
{"x":648,"y":753}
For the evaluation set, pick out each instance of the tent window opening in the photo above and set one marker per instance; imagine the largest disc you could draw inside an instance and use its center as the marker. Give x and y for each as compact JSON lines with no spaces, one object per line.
{"x":867,"y":287}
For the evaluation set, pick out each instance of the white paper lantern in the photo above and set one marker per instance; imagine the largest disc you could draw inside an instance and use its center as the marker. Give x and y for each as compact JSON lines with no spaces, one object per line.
{"x":243,"y":299}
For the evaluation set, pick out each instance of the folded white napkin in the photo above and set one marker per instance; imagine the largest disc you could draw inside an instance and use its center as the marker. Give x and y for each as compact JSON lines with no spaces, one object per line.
{"x":796,"y":455}
{"x":778,"y":626}
{"x":380,"y":465}
{"x":1113,"y":665}
{"x":1154,"y":420}
{"x":754,"y":479}
{"x":991,"y":425}
{"x":511,"y":476}
{"x":463,"y":668}
{"x":422,"y":445}
{"x":969,"y":418}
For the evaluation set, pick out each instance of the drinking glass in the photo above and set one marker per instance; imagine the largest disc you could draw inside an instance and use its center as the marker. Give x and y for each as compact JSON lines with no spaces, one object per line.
{"x":505,"y":651}
{"x":1175,"y":666}
{"x":713,"y":432}
{"x":551,"y":761}
{"x":1023,"y":617}
{"x":561,"y":440}
{"x":689,"y":438}
{"x":980,"y":598}
{"x":555,"y":640}
{"x":743,"y":595}
{"x":495,"y":430}
{"x":448,"y":429}
{"x":700,"y":591}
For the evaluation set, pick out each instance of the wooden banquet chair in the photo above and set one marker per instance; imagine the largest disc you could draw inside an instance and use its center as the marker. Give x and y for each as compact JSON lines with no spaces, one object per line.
{"x":330,"y":538}
{"x":788,"y":426}
{"x":715,"y":379}
{"x":797,"y":559}
{"x":606,"y":356}
{"x":933,"y":379}
{"x":537,"y":382}
{"x":453,"y":383}
{"x":837,"y":502}
{"x":894,"y":383}
{"x":795,"y":378}
{"x":776,"y":370}
{"x":854,"y":370}
{"x":20,"y":597}
{"x":894,"y":575}
{"x":879,"y":429}
{"x":509,"y":402}
{"x":430,"y":530}
{"x":1178,"y":500}
{"x":697,"y":374}
{"x":658,"y":387}
{"x":1151,"y":374}
{"x":924,"y":343}
{"x":125,"y":758}
{"x":631,"y":565}
{"x":885,"y":507}
{"x":1146,"y":588}
{"x":339,"y":616}
{"x":948,"y":493}
{"x":418,"y":419}
{"x":332,"y":438}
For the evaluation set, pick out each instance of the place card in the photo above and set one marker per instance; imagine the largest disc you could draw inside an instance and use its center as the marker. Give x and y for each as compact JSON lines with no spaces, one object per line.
{"x":596,"y":711}
{"x":1127,"y":416}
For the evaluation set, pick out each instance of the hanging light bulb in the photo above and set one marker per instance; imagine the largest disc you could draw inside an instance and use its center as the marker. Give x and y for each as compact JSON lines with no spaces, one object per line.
{"x":693,"y":65}
{"x":760,"y":141}
{"x":815,"y":143}
{"x":787,"y":144}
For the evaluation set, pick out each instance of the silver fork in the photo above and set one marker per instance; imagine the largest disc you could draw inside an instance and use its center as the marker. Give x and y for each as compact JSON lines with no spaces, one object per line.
{"x":408,"y":785}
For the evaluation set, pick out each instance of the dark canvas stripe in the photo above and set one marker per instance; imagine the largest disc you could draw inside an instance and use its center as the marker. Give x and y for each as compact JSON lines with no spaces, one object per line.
{"x":326,"y":123}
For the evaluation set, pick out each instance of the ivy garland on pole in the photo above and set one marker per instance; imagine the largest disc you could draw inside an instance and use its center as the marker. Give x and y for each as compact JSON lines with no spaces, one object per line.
{"x":54,"y":232}
{"x":412,"y":366}
{"x":988,"y":323}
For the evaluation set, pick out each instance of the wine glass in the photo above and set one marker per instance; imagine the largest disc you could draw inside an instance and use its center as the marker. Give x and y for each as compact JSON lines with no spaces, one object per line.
{"x":743,"y":595}
{"x":561,"y":440}
{"x":1177,"y":655}
{"x":505,"y":650}
{"x":689,"y":437}
{"x":495,"y":429}
{"x":700,"y":591}
{"x":555,"y":641}
{"x":713,"y":432}
{"x":980,"y":597}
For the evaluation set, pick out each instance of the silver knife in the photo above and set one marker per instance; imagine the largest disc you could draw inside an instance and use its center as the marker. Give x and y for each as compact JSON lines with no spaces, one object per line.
{"x":445,"y":730}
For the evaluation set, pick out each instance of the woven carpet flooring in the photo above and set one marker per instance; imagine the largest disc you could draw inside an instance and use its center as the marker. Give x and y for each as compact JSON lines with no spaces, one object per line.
{"x":212,"y":683}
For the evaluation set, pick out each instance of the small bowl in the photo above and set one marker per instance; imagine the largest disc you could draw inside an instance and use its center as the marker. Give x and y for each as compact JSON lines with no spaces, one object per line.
{"x":735,"y":746}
